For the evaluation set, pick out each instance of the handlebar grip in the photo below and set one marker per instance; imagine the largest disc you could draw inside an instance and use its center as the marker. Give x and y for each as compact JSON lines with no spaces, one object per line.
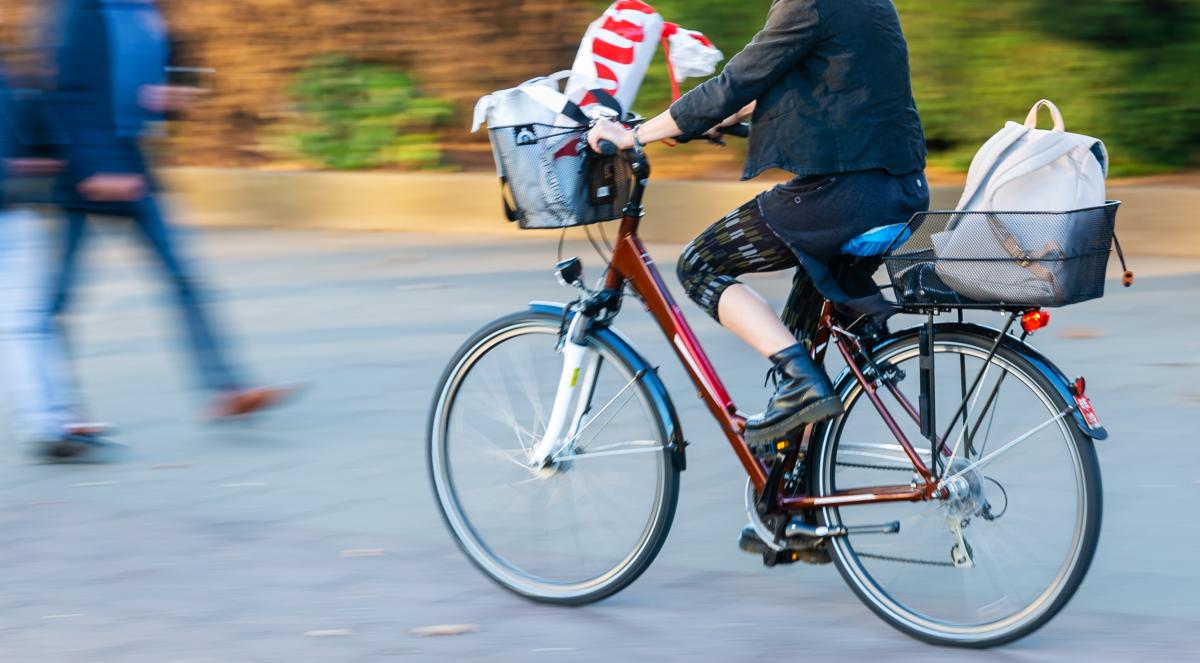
{"x":608,"y":148}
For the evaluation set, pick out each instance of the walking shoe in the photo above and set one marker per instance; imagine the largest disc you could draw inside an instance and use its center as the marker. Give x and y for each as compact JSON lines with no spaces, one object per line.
{"x":79,"y":448}
{"x":243,"y":402}
{"x":803,"y":395}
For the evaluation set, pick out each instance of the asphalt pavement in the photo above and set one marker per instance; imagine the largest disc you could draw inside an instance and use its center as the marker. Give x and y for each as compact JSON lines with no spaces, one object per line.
{"x":310,"y":534}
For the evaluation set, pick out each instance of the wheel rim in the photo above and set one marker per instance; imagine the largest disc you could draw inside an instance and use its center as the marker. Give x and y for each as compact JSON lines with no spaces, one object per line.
{"x":567,"y":531}
{"x":921,"y":600}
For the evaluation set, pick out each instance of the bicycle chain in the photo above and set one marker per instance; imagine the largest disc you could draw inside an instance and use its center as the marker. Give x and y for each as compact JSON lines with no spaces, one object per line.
{"x":864,"y":466}
{"x":890,"y":558}
{"x":904,"y":560}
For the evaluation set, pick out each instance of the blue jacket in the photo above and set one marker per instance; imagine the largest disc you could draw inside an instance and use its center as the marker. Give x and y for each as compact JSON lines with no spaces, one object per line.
{"x":111,"y":50}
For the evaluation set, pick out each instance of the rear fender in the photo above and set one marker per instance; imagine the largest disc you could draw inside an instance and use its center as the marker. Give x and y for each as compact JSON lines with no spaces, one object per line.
{"x":1035,"y":358}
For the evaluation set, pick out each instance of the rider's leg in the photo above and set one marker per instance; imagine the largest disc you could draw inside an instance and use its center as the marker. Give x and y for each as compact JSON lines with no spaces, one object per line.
{"x":744,"y":312}
{"x":742,"y":243}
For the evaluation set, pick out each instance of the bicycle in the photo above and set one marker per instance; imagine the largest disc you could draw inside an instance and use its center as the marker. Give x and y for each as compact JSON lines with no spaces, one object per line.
{"x":555,"y":454}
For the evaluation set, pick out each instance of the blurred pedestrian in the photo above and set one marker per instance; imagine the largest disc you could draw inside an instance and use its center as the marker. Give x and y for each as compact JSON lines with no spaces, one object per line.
{"x":37,"y":377}
{"x":111,"y":90}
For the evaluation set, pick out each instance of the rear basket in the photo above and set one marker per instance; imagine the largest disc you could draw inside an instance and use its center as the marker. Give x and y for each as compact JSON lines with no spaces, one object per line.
{"x":551,"y":179}
{"x":1002,"y":260}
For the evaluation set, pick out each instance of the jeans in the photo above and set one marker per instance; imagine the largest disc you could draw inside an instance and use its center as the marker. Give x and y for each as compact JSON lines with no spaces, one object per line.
{"x":38,"y":380}
{"x":206,"y":347}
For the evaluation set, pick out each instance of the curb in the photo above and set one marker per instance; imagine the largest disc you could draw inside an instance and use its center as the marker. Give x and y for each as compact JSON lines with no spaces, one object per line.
{"x":1154,"y":220}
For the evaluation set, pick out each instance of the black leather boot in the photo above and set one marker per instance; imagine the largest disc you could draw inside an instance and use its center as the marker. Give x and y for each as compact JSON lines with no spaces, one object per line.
{"x":803,"y":395}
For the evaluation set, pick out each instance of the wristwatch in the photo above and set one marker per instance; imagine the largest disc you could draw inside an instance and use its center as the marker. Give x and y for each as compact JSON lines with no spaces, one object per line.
{"x":637,"y":139}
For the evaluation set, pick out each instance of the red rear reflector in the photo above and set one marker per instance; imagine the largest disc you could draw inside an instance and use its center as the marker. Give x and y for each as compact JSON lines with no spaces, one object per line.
{"x":1080,"y":386}
{"x":1035,"y":320}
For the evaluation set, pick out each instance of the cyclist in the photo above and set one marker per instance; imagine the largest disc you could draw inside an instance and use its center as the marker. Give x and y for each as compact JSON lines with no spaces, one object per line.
{"x":827,"y":85}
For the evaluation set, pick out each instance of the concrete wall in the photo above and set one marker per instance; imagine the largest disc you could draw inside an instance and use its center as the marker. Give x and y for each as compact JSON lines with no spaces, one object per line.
{"x":1155,"y":220}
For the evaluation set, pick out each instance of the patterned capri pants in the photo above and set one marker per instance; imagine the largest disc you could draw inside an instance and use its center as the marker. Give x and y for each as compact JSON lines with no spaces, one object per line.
{"x":741,"y":243}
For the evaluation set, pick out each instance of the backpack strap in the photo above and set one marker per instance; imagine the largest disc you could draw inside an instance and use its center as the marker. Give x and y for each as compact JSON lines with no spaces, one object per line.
{"x":1031,"y":120}
{"x":506,"y":198}
{"x":555,"y":101}
{"x":610,"y":102}
{"x":1018,"y":253}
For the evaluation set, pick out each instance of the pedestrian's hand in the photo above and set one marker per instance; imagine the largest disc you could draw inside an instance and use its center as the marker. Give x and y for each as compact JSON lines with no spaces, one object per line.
{"x":169,"y":98}
{"x":34,"y":167}
{"x":113,"y":188}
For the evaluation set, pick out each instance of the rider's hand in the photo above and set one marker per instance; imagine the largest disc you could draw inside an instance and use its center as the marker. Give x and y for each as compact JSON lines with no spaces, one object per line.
{"x":615,"y":132}
{"x":715,"y":134}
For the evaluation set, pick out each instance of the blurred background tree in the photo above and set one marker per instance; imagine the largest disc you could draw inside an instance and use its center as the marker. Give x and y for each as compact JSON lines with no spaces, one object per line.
{"x":1123,"y":70}
{"x":355,"y":115}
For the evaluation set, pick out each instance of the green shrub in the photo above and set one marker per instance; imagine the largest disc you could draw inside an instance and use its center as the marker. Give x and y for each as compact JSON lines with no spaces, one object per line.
{"x":358,"y":115}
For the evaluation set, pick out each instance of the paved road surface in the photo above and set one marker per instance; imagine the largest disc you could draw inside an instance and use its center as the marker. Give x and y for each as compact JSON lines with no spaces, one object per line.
{"x":311,"y":535}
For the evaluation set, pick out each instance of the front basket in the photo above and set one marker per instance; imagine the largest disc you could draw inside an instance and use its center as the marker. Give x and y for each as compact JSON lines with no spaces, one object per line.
{"x":551,"y":179}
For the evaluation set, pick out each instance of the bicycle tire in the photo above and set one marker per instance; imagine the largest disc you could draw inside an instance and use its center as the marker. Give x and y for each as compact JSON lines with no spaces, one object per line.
{"x":618,"y":578}
{"x":851,"y":569}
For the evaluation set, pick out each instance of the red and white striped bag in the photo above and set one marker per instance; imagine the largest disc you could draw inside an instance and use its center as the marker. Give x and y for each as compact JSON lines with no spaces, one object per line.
{"x":620,"y":45}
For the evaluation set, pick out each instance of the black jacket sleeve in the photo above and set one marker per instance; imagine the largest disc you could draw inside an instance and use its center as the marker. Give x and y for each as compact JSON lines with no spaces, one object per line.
{"x":83,"y":100}
{"x":791,"y":33}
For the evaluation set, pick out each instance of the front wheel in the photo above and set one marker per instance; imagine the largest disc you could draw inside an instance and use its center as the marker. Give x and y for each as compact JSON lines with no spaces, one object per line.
{"x":1005,"y":551}
{"x":582,"y":526}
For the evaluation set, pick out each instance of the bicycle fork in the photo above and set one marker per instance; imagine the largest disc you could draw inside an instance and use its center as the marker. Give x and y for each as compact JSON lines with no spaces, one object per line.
{"x":573,"y":399}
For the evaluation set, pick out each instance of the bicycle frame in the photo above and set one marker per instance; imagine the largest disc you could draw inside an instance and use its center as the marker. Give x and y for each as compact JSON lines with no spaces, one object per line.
{"x":632,"y":265}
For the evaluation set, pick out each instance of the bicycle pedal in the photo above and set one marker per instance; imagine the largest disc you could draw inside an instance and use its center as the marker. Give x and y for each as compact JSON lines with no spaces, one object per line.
{"x":769,"y":450}
{"x":814,"y":556}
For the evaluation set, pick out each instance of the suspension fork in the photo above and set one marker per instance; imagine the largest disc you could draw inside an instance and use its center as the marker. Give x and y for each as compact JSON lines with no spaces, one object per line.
{"x":572,"y":399}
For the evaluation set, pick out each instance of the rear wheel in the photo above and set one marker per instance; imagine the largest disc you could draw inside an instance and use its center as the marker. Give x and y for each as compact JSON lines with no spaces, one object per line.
{"x":587,"y":524}
{"x":1005,"y":552}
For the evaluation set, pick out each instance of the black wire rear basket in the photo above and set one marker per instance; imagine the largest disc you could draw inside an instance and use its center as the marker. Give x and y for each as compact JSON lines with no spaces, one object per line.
{"x":1002,"y":260}
{"x":551,"y":179}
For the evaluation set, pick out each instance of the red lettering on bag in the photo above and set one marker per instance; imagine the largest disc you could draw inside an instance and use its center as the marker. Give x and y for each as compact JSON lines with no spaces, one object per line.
{"x":570,"y":149}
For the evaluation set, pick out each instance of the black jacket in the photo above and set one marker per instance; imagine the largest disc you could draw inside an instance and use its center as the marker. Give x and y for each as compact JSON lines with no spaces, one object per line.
{"x":834,"y":94}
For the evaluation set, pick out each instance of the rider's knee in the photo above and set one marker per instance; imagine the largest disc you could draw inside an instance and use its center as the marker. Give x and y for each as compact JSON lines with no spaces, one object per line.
{"x":690,"y":272}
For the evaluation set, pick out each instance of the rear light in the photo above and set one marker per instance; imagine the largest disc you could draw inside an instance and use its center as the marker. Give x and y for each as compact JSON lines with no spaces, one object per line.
{"x":1035,"y":320}
{"x":1080,"y":386}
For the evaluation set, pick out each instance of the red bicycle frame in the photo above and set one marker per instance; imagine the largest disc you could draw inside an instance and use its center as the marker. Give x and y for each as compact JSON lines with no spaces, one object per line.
{"x":631,"y":264}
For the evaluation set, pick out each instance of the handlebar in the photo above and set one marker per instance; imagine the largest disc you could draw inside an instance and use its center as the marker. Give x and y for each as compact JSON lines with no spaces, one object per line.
{"x":740,"y":130}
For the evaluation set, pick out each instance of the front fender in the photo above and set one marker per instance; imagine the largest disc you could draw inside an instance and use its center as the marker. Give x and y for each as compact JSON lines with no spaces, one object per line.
{"x":1035,"y":358}
{"x":657,"y":392}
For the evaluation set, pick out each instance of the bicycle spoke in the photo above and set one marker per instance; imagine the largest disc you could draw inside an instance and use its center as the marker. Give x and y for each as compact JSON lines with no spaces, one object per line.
{"x":614,"y":452}
{"x":992,"y":456}
{"x":1016,"y":518}
{"x":574,"y":526}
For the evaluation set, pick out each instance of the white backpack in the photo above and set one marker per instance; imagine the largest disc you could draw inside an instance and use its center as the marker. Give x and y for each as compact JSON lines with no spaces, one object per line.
{"x":1021,"y":169}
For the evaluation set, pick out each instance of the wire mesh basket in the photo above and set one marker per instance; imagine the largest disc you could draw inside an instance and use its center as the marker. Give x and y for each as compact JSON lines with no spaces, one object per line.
{"x":1003,"y":259}
{"x":551,"y":179}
